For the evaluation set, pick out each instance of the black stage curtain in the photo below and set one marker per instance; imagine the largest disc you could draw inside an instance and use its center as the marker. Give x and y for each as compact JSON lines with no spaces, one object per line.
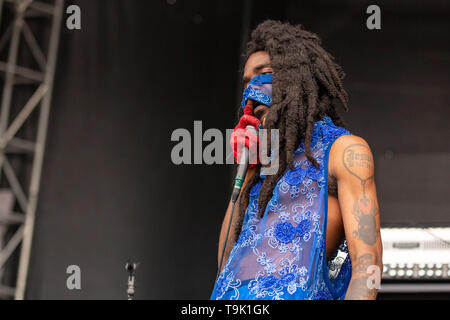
{"x":136,"y":71}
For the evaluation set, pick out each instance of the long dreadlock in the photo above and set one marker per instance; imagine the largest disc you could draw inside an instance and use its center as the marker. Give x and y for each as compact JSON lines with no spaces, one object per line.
{"x":307,"y":84}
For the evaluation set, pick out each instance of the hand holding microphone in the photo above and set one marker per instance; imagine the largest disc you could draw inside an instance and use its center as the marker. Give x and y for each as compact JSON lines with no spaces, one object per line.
{"x":246,"y":136}
{"x":244,"y":141}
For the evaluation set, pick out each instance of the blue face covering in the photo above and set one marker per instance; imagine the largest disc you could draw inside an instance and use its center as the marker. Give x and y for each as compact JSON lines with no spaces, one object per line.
{"x":259,"y":89}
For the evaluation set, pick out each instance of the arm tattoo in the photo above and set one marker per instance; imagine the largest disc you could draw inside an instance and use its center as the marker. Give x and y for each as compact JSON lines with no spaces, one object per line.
{"x":364,"y":208}
{"x":365,"y":211}
{"x":363,"y":262}
{"x":359,"y":288}
{"x":358,"y":156}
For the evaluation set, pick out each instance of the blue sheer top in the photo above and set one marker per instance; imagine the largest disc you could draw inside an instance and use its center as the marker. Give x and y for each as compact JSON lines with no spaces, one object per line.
{"x":282,"y":255}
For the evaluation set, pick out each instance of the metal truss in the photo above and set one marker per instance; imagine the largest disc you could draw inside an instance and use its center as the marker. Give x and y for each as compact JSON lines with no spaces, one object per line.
{"x":24,"y":194}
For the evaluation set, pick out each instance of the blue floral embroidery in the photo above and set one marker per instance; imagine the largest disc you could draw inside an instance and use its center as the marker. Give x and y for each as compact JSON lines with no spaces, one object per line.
{"x":303,"y":227}
{"x":294,"y":191}
{"x":295,"y":177}
{"x":284,"y":232}
{"x":323,"y":295}
{"x":254,"y":191}
{"x":247,"y":236}
{"x":276,"y":207}
{"x":287,"y":278}
{"x":268,"y":282}
{"x":314,"y":173}
{"x":282,"y":254}
{"x":225,"y":283}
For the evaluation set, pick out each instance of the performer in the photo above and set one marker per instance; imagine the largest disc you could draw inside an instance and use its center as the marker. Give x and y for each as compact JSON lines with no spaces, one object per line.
{"x":292,"y":228}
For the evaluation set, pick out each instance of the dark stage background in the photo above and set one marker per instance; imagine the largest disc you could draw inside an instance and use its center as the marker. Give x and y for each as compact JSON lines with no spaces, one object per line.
{"x":137,"y":70}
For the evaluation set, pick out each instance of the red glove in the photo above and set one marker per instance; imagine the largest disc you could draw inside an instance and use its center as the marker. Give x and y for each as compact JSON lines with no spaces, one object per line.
{"x":245,"y":137}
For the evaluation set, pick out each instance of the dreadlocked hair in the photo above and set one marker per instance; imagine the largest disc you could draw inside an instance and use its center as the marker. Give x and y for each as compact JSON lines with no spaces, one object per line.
{"x":307,"y":84}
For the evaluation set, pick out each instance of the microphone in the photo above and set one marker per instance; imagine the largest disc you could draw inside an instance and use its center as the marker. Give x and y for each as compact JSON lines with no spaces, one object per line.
{"x":131,"y":268}
{"x":238,"y":182}
{"x":242,"y":169}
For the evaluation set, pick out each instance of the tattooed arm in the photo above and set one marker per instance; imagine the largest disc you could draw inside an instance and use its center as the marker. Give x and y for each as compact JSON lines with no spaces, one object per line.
{"x":351,"y":163}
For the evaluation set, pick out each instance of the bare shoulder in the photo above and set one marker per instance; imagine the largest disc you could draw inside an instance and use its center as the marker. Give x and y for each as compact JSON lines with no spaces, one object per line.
{"x":350,"y":154}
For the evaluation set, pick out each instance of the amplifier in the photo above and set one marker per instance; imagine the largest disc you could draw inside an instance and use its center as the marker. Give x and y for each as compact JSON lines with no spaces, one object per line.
{"x":416,"y":253}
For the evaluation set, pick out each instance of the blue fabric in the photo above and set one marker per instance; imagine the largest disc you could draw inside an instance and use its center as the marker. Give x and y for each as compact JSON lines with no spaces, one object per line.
{"x":259,"y":89}
{"x":282,"y":255}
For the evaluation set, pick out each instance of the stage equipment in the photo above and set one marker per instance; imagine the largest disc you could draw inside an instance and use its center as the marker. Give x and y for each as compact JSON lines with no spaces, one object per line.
{"x":416,"y":260}
{"x":34,"y":31}
{"x":131,"y":268}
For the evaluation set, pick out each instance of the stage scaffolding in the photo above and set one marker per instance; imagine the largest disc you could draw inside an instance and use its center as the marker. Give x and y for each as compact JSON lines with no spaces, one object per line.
{"x":18,"y":200}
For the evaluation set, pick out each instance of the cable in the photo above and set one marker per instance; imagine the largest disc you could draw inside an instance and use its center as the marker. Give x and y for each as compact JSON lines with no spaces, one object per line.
{"x":233,"y":203}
